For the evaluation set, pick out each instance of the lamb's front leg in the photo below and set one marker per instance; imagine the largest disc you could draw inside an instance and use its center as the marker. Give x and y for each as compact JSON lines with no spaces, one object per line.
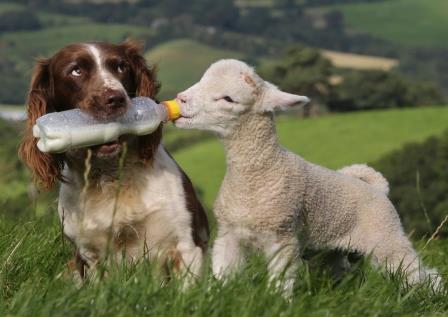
{"x":283,"y":257}
{"x":227,"y":256}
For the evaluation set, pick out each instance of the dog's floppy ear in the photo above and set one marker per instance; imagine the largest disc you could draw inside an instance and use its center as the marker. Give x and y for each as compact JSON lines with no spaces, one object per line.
{"x":46,"y":167}
{"x":144,"y":75}
{"x":274,"y":99}
{"x":147,"y":86}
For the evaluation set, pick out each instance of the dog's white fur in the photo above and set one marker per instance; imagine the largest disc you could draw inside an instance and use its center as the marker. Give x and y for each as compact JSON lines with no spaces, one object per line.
{"x":146,"y":211}
{"x":109,"y":81}
{"x":274,"y":200}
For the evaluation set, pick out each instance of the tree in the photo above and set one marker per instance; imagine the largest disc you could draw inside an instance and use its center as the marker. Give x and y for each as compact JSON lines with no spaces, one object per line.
{"x":361,"y":90}
{"x":256,"y":20}
{"x":14,"y":83}
{"x":19,"y":20}
{"x":302,"y":70}
{"x":223,"y":14}
{"x":334,"y":20}
{"x":418,"y":177}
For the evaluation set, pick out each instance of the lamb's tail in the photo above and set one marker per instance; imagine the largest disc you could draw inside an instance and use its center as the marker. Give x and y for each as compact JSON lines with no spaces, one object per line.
{"x":368,"y":175}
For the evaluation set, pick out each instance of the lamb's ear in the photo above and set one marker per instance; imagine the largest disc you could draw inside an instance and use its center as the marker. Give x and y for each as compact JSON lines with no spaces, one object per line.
{"x":275,"y":99}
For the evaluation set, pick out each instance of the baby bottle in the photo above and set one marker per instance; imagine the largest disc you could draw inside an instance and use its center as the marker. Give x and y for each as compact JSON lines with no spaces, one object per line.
{"x":61,"y":131}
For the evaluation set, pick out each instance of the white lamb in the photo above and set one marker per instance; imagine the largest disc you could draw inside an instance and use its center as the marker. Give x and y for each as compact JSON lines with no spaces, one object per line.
{"x":274,"y":200}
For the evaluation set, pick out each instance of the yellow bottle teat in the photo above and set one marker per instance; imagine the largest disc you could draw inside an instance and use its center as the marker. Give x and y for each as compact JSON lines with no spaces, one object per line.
{"x":173,"y":108}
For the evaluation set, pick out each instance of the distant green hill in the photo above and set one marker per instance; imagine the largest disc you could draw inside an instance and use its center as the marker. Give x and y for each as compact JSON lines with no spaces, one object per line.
{"x":9,"y":6}
{"x":23,"y":47}
{"x":409,"y":22}
{"x":332,"y":141}
{"x":182,"y":62}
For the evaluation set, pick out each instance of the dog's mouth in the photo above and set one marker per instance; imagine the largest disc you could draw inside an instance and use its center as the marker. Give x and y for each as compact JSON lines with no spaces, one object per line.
{"x":107,"y":150}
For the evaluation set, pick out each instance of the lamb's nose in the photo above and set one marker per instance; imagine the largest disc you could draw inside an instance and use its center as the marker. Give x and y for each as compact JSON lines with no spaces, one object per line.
{"x":114,"y":99}
{"x":182,"y":98}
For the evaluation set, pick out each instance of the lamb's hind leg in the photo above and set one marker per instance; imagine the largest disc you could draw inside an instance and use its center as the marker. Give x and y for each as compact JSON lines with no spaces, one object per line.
{"x":381,"y":236}
{"x":397,"y":253}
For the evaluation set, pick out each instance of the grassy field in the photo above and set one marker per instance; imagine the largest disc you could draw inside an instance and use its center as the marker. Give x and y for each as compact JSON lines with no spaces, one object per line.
{"x":409,"y":22}
{"x":359,"y":62}
{"x":332,"y":141}
{"x":182,"y":63}
{"x":33,"y":254}
{"x":34,"y":282}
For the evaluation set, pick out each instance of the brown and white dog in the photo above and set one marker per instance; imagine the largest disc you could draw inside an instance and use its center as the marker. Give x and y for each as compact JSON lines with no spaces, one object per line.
{"x":145,"y":207}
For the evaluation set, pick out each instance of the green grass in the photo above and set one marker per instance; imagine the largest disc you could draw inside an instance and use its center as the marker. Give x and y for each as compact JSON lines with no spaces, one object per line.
{"x":34,"y":282}
{"x":33,"y":257}
{"x":332,"y":141}
{"x":409,"y":22}
{"x":182,"y":62}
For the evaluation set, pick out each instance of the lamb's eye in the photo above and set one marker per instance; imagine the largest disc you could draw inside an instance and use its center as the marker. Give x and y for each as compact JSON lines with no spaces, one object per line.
{"x":76,"y":71}
{"x":228,"y":99}
{"x":121,"y":67}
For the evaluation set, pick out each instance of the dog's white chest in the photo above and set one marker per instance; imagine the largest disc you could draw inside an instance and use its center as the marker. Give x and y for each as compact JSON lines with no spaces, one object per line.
{"x":147,"y":207}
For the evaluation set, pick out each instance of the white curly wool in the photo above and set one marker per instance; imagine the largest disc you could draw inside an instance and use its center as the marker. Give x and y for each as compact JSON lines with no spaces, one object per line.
{"x":274,"y":200}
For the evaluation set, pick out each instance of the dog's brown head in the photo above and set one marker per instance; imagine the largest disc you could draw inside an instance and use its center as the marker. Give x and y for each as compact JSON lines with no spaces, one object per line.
{"x":99,"y":78}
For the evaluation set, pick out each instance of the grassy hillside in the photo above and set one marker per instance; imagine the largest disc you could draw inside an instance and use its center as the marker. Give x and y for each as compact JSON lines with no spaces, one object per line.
{"x":409,"y":22}
{"x":182,"y":63}
{"x":34,"y":282}
{"x":47,"y":19}
{"x":24,"y":47}
{"x":33,"y":256}
{"x":9,"y":6}
{"x":332,"y":141}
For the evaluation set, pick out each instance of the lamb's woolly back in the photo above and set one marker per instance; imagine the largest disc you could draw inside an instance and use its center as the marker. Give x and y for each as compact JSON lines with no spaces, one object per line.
{"x":368,"y":175}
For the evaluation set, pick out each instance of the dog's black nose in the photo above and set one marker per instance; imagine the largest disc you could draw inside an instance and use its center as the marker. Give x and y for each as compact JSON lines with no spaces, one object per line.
{"x":114,"y":99}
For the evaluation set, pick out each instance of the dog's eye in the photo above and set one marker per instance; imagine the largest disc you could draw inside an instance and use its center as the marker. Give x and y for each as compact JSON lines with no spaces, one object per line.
{"x":228,"y":99}
{"x":121,"y":67}
{"x":76,"y":71}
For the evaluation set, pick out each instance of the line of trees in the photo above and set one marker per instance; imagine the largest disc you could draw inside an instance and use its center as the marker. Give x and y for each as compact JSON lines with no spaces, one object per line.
{"x":304,"y":70}
{"x":19,"y":20}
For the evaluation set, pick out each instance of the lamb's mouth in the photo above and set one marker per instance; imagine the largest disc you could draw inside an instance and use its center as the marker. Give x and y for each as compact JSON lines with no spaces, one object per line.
{"x":186,"y":116}
{"x":183,"y":115}
{"x":183,"y":118}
